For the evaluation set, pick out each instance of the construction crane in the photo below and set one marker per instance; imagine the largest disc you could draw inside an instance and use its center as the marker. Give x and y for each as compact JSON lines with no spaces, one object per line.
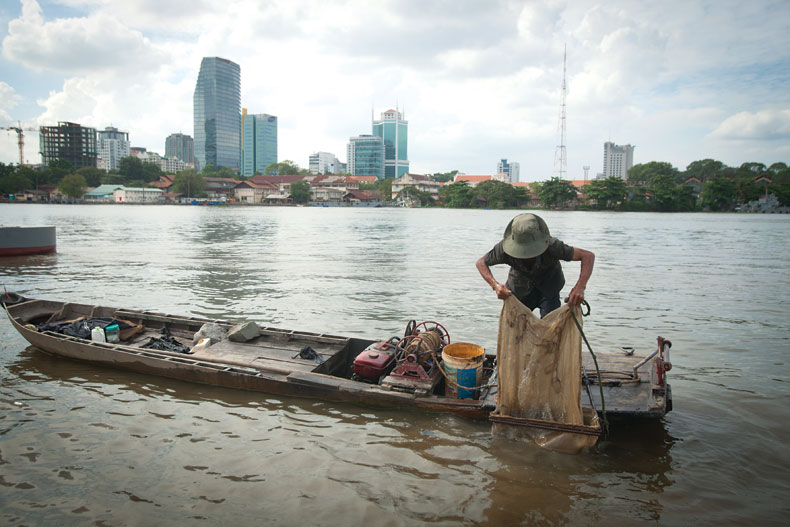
{"x":20,"y":135}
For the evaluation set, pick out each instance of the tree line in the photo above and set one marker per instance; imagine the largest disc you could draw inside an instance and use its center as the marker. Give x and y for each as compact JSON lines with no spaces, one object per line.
{"x":655,"y":186}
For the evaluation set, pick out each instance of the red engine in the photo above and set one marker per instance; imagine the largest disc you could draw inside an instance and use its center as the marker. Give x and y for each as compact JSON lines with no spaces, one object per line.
{"x":376,"y":361}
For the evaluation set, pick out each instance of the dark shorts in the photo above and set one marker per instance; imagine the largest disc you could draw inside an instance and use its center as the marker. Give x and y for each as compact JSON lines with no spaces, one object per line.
{"x":536,"y":299}
{"x":543,"y":293}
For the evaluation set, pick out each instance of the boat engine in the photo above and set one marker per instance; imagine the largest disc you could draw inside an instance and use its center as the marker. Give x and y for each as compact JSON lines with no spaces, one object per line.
{"x":376,"y":361}
{"x":407,"y":363}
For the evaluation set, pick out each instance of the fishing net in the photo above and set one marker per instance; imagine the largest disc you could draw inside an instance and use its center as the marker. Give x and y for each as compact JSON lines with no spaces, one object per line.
{"x":539,"y":372}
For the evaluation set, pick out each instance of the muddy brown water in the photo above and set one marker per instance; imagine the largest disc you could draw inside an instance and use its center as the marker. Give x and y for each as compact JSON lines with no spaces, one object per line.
{"x":82,"y":445}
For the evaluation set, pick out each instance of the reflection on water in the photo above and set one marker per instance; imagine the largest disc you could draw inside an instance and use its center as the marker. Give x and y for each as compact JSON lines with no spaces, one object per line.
{"x":83,"y":444}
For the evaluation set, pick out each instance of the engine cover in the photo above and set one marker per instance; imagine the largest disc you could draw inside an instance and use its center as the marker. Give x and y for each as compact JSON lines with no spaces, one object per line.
{"x":373,"y":363}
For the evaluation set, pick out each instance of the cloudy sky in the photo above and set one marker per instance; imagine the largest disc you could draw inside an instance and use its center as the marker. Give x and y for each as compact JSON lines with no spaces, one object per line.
{"x":478,"y":79}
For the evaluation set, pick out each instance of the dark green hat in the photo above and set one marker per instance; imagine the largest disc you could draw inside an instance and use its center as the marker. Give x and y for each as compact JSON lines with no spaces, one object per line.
{"x":526,"y":236}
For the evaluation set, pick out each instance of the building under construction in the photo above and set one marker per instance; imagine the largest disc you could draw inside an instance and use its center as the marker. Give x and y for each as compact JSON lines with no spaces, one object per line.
{"x":70,"y":141}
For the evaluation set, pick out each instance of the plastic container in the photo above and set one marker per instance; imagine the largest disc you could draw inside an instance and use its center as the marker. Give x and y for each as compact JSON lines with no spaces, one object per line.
{"x":112,"y":333}
{"x":201,"y":345}
{"x":97,"y":335}
{"x":463,"y":364}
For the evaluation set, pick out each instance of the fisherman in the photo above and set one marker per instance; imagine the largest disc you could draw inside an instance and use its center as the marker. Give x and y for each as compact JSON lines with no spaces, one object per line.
{"x":535,"y":272}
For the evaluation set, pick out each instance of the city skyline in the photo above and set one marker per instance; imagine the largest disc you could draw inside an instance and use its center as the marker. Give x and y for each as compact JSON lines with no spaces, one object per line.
{"x":478,"y":83}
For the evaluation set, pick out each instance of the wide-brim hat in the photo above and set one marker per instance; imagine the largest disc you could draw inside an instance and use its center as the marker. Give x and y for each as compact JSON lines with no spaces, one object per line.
{"x":526,"y":236}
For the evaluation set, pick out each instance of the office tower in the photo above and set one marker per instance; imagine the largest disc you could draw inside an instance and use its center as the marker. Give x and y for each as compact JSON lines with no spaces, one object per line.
{"x":617,"y":160}
{"x":366,"y":156}
{"x":70,"y":141}
{"x":258,"y":142}
{"x":112,"y":146}
{"x":394,"y":130}
{"x":324,"y":163}
{"x":511,"y":169}
{"x":180,"y":146}
{"x":217,"y":117}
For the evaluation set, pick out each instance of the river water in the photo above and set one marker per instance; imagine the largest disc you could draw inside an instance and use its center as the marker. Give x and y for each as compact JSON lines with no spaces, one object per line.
{"x":87,"y":445}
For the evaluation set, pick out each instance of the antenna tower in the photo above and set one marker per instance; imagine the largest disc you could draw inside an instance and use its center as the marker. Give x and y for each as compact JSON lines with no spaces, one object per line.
{"x":560,"y":156}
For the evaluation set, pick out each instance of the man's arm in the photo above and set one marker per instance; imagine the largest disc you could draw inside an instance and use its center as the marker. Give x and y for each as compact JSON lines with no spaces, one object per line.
{"x":502,"y":292}
{"x":587,"y":261}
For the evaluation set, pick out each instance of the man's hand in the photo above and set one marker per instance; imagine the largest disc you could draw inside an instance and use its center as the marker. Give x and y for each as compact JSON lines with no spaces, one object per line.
{"x":502,"y":292}
{"x":577,"y":295}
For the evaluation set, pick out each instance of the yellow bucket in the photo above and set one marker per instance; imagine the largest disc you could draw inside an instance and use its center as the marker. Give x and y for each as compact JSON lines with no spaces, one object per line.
{"x":463,"y":364}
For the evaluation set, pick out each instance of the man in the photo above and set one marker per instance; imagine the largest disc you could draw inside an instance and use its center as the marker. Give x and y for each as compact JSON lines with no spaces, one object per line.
{"x":534,"y":258}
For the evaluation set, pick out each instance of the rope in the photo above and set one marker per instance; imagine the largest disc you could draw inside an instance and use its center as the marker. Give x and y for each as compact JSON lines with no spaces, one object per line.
{"x":604,"y":421}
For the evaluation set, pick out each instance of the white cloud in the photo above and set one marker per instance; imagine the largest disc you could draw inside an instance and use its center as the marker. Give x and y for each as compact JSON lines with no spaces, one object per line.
{"x":75,"y":45}
{"x":478,"y":80}
{"x":8,"y":99}
{"x":763,"y":125}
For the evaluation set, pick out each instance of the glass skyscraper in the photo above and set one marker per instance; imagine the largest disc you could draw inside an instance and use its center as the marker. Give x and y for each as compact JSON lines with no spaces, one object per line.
{"x":394,"y":130}
{"x":217,"y":105}
{"x":258,"y":142}
{"x":366,"y":156}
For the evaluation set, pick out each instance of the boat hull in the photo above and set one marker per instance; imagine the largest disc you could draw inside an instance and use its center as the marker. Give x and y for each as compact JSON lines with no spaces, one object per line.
{"x":271,"y":364}
{"x":20,"y":241}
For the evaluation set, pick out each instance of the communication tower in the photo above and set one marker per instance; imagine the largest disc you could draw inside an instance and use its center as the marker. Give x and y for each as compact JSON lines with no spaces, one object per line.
{"x":560,"y":156}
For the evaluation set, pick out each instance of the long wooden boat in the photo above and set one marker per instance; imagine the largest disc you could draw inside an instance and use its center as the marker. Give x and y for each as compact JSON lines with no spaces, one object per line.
{"x":274,"y":362}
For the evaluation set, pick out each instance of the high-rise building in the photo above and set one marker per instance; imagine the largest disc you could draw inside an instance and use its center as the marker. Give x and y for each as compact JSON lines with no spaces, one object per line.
{"x":324,"y":163}
{"x":180,"y":146}
{"x":217,"y":117}
{"x":70,"y":141}
{"x":112,"y":146}
{"x":366,"y":156}
{"x":511,"y":169}
{"x":394,"y":130}
{"x":258,"y":142}
{"x":617,"y":160}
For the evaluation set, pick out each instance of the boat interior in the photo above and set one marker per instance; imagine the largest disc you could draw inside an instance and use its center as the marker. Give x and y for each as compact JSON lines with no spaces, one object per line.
{"x":302,"y":356}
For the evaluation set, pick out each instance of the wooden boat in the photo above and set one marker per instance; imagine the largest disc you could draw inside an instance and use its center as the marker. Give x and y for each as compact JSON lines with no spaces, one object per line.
{"x":273,"y":362}
{"x":20,"y":241}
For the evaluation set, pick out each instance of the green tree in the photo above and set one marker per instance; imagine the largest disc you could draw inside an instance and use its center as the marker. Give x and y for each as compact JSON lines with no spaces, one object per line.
{"x":705,"y":169}
{"x":6,"y":170}
{"x":414,"y":194}
{"x":498,"y":195}
{"x":718,"y":193}
{"x":131,"y":169}
{"x":57,"y":169}
{"x":14,"y":182}
{"x":555,"y":192}
{"x":382,"y":186}
{"x":443,"y":177}
{"x":93,"y":176}
{"x":285,"y":168}
{"x":73,"y":185}
{"x":36,"y":176}
{"x":300,"y":191}
{"x":189,"y":183}
{"x":456,"y":195}
{"x":215,"y":171}
{"x":642,"y":174}
{"x":607,"y":192}
{"x":151,"y":172}
{"x":664,"y":193}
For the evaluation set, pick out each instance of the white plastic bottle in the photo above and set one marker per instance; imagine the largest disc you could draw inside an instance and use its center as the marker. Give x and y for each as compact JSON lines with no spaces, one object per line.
{"x":97,"y":335}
